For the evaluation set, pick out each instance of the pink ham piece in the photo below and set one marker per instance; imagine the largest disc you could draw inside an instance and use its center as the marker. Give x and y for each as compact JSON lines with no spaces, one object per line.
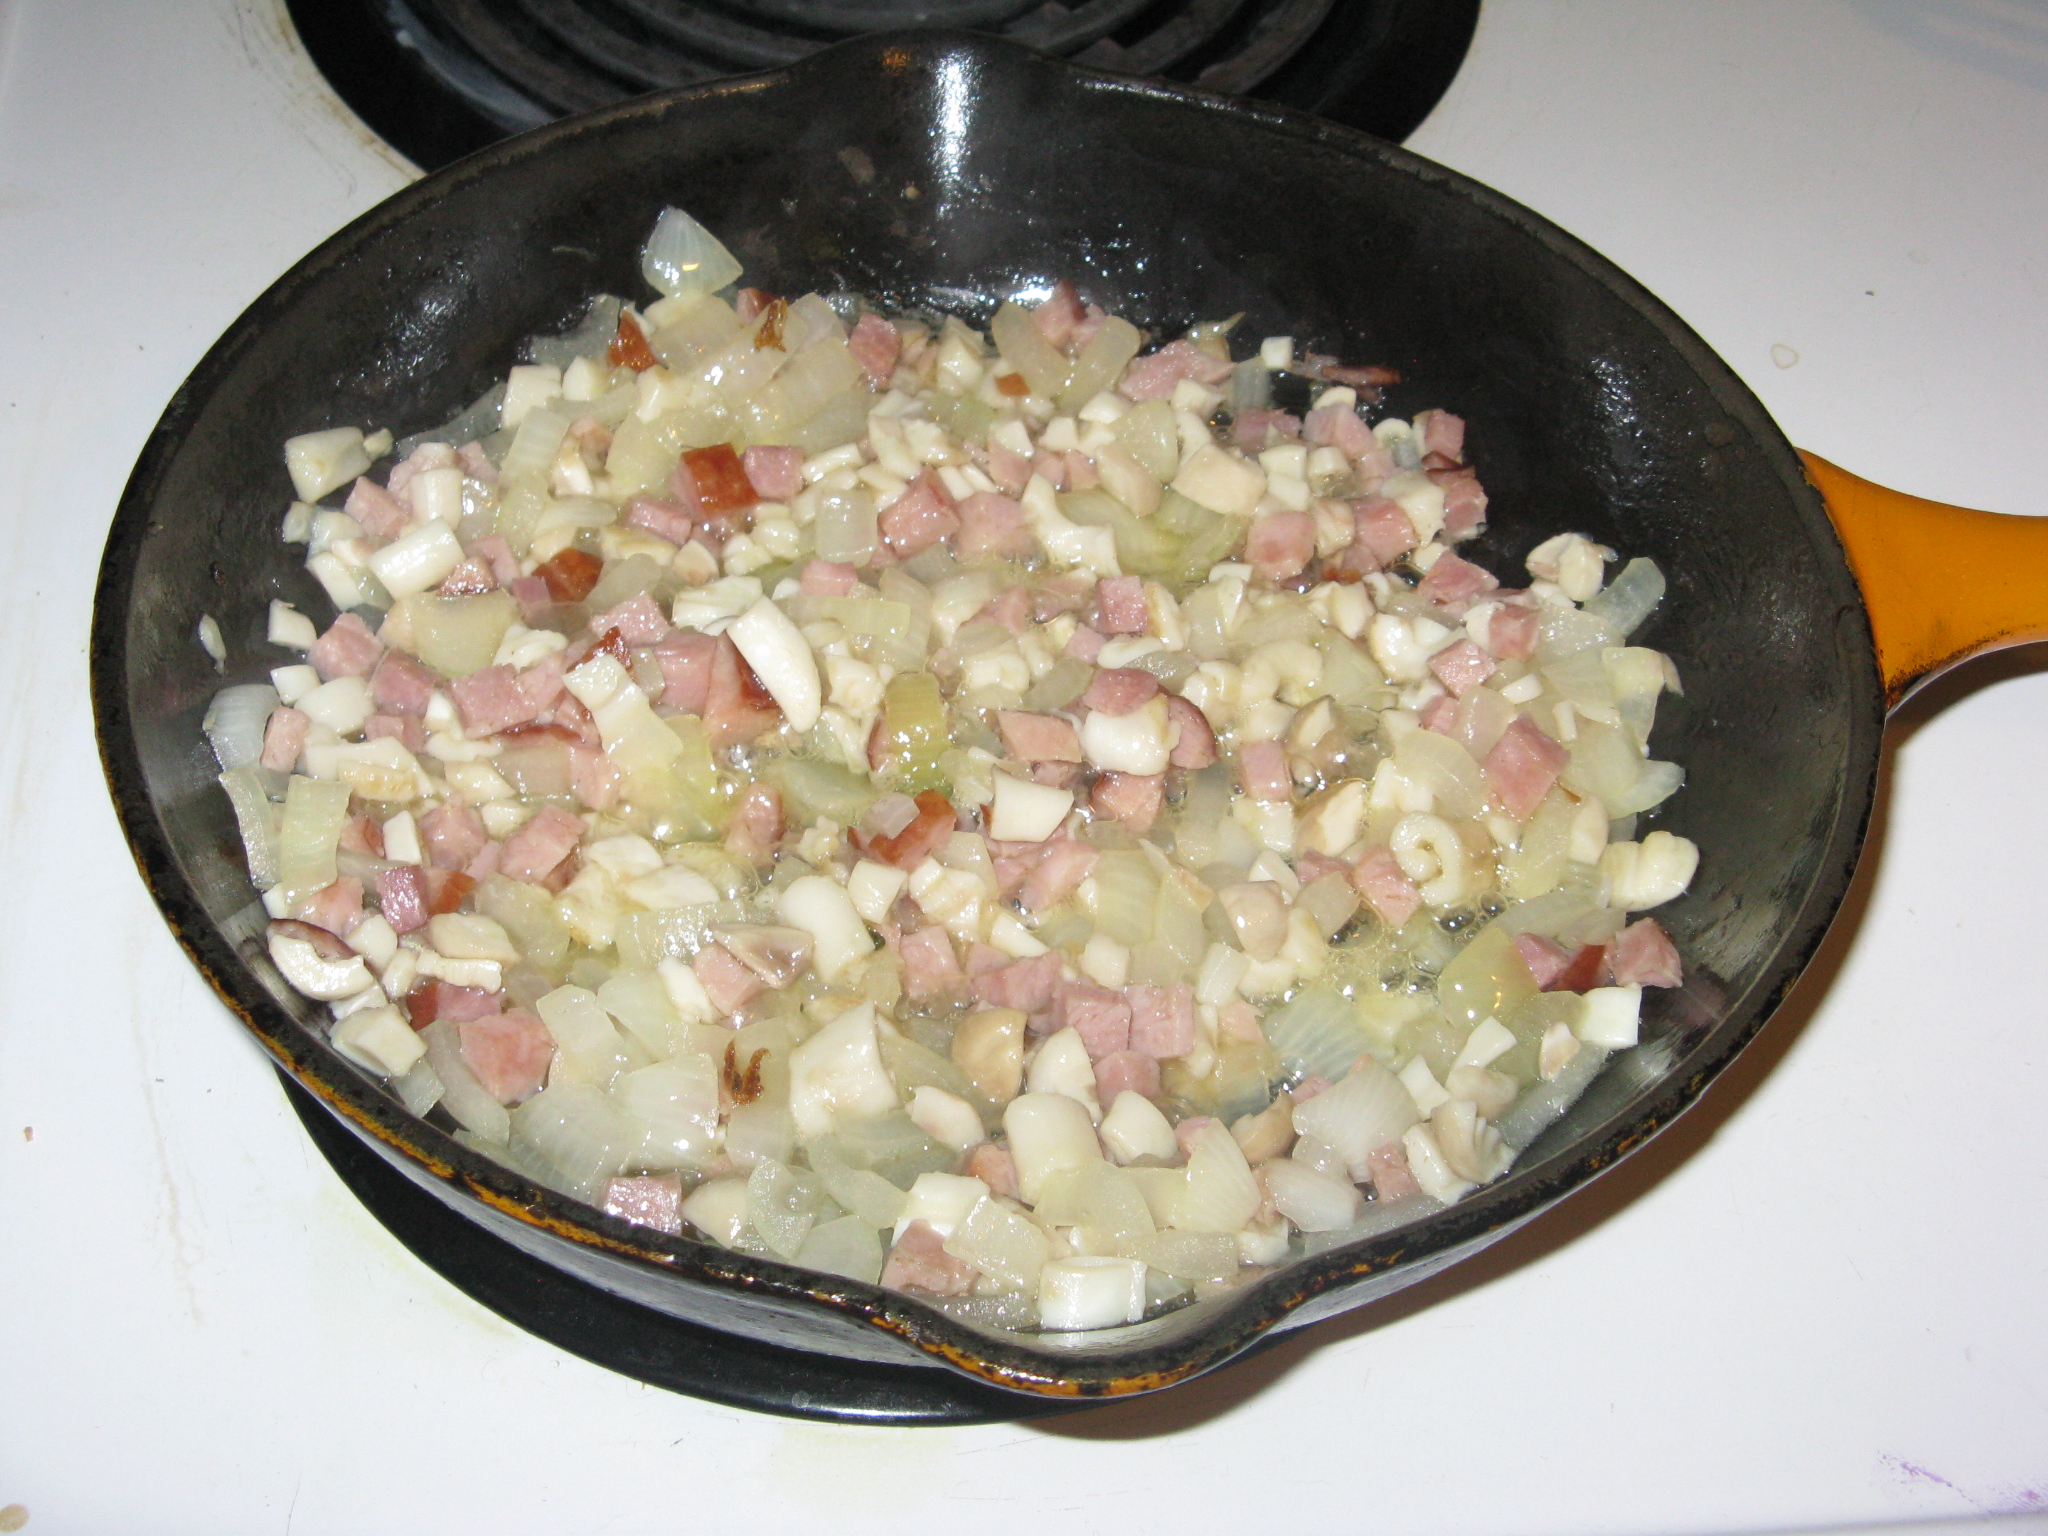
{"x":432,"y":1000}
{"x":1339,"y":427}
{"x":1120,"y":691}
{"x":471,"y":577}
{"x":777,"y":473}
{"x":1162,"y":1019}
{"x":1059,"y":872}
{"x":1195,"y":747}
{"x":1390,"y":893}
{"x":348,"y":649}
{"x":541,"y":843}
{"x":992,"y":527}
{"x":1256,"y":430}
{"x":1153,"y":376}
{"x":1522,"y":767}
{"x":337,"y":907}
{"x":453,"y":834}
{"x":1059,"y":313}
{"x":639,"y":620}
{"x":1262,"y":770}
{"x":1511,"y":631}
{"x":994,"y":1166}
{"x":827,"y":578}
{"x":1009,"y":469}
{"x":593,"y":776}
{"x":493,"y":548}
{"x":284,"y":737}
{"x":756,"y":824}
{"x":1120,"y":605}
{"x":919,"y":1262}
{"x":1454,"y":584}
{"x":1464,"y":501}
{"x":532,"y":595}
{"x":1131,"y":798}
{"x":1545,"y":958}
{"x":1441,"y":432}
{"x":1026,"y":984}
{"x":1125,"y":1072}
{"x":383,"y":516}
{"x":1642,"y":955}
{"x":509,"y":1053}
{"x":426,"y":456}
{"x":1440,"y":714}
{"x":647,"y":1200}
{"x":1280,"y":545}
{"x":930,"y":968}
{"x":874,"y":343}
{"x":664,"y":519}
{"x":1462,"y":667}
{"x":919,"y":518}
{"x":737,"y":707}
{"x":684,"y":656}
{"x":1050,"y":467}
{"x":476,"y":463}
{"x":727,"y":982}
{"x":1081,"y":473}
{"x":1185,"y":1131}
{"x":401,"y":685}
{"x":1099,"y":1016}
{"x":1010,"y":608}
{"x":1036,"y":738}
{"x":402,"y":897}
{"x":1085,"y":644}
{"x":410,"y":731}
{"x":1392,"y":1179}
{"x":491,"y":700}
{"x":1383,"y":528}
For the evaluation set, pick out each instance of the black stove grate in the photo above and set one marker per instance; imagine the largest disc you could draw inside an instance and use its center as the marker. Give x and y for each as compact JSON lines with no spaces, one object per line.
{"x":440,"y":78}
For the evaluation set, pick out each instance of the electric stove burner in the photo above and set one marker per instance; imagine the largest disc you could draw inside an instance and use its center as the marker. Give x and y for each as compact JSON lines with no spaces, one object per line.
{"x":440,"y":78}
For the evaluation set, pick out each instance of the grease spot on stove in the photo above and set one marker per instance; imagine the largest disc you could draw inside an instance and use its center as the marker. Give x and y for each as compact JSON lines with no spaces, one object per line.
{"x":1784,"y":356}
{"x":13,"y":1517}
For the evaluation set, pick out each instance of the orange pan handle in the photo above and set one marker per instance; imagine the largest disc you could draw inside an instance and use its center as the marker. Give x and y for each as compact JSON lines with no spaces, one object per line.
{"x":1942,"y":583}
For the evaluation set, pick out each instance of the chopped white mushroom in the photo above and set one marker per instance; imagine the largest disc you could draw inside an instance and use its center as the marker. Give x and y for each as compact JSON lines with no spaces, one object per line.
{"x":777,"y":651}
{"x":1649,"y":873}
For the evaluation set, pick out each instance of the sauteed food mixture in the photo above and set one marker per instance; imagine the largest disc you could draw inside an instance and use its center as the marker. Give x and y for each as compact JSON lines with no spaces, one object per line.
{"x":1033,"y":821}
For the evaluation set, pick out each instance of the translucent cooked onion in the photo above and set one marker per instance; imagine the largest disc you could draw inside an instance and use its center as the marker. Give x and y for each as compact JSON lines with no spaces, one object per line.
{"x":257,"y":817}
{"x":1630,"y":598}
{"x":1316,"y":1034}
{"x":1445,"y":769}
{"x":235,"y":721}
{"x":1024,"y":347}
{"x":683,"y":257}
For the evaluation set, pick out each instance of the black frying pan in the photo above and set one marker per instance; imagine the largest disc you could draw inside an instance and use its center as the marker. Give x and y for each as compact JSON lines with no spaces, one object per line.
{"x":945,"y":171}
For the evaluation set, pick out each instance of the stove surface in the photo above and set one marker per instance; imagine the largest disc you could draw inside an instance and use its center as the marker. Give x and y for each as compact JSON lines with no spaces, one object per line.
{"x":1814,"y":1303}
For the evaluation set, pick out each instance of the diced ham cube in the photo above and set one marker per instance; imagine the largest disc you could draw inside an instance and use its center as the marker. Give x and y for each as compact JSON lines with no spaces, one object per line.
{"x":493,"y":548}
{"x":1462,"y":666}
{"x":540,"y":844}
{"x":470,"y":578}
{"x":542,"y":684}
{"x":491,"y":700}
{"x":1255,"y":430}
{"x":348,"y":649}
{"x":1153,"y":376}
{"x":431,"y":1000}
{"x":1196,"y":745}
{"x":992,"y":527}
{"x":1050,"y":467}
{"x":453,"y":834}
{"x":1059,"y":872}
{"x":1643,"y":956}
{"x":1162,"y":1019}
{"x":284,"y":736}
{"x":1522,"y":767}
{"x":1081,"y":473}
{"x":1010,"y":608}
{"x":1131,"y":798}
{"x":1036,"y":738}
{"x":447,"y":890}
{"x":509,"y":1053}
{"x":410,"y":731}
{"x":1120,"y":605}
{"x":684,"y":656}
{"x":737,"y":705}
{"x":1101,"y":1018}
{"x":337,"y":906}
{"x":1009,"y":469}
{"x":1464,"y":501}
{"x":1511,"y":631}
{"x":930,"y":968}
{"x":874,"y":343}
{"x":1339,"y":427}
{"x":1545,"y":958}
{"x":402,"y":685}
{"x":1588,"y":968}
{"x":710,"y":481}
{"x":1085,"y":644}
{"x":647,"y":1199}
{"x":402,"y":897}
{"x":1120,"y":690}
{"x":1440,"y":714}
{"x":918,"y":839}
{"x":776,"y":473}
{"x":1442,"y":433}
{"x":1392,"y":1179}
{"x":919,"y":1262}
{"x":1026,"y":984}
{"x":532,"y":595}
{"x":639,"y":620}
{"x":1280,"y":545}
{"x":593,"y":776}
{"x":664,"y":519}
{"x":828,"y":578}
{"x":1454,"y":584}
{"x":727,"y":982}
{"x":570,"y":574}
{"x":476,"y":464}
{"x":383,"y":516}
{"x":994,"y":1166}
{"x":1390,"y":893}
{"x":919,"y":518}
{"x":1262,"y":769}
{"x":1126,"y":1072}
{"x":1383,"y":528}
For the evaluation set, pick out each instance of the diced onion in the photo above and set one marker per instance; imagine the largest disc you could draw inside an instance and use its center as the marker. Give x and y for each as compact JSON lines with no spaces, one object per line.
{"x":682,"y":257}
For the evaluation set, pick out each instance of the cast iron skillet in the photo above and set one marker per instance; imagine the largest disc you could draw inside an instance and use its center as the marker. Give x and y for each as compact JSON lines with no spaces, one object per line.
{"x":949,"y":171}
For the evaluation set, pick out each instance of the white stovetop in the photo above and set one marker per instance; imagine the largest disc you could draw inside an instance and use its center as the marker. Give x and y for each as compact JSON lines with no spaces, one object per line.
{"x":1818,"y":1301}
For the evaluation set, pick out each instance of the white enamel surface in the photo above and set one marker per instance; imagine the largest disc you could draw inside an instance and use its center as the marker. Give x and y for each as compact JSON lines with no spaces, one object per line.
{"x":1816,"y":1302}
